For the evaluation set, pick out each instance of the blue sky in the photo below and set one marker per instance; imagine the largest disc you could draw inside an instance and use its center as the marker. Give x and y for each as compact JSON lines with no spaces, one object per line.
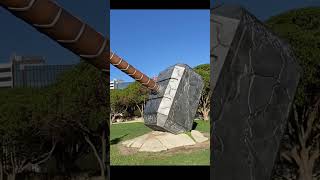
{"x":152,"y":40}
{"x":263,"y":9}
{"x":19,"y":37}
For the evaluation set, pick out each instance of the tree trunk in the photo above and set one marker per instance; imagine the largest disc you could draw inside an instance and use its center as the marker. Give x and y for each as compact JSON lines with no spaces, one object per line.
{"x":303,"y":161}
{"x":99,"y":159}
{"x":113,"y":117}
{"x":206,"y":114}
{"x":305,"y":173}
{"x":104,"y":147}
{"x":204,"y":108}
{"x":140,"y":109}
{"x":11,"y":177}
{"x":1,"y":170}
{"x":104,"y":153}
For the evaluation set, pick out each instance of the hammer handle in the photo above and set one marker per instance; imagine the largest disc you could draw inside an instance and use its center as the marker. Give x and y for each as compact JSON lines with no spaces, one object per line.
{"x":133,"y":72}
{"x":52,"y":20}
{"x":64,"y":28}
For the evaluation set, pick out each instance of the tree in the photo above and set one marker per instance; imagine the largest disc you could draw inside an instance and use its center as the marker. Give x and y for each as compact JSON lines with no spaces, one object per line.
{"x":137,"y":95}
{"x":125,"y":101}
{"x":24,"y":141}
{"x":204,"y":106}
{"x":118,"y":103}
{"x":301,"y":28}
{"x":82,"y":100}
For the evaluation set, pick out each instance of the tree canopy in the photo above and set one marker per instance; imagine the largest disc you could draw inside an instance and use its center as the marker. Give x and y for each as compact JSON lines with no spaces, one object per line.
{"x":71,"y":114}
{"x":301,"y":29}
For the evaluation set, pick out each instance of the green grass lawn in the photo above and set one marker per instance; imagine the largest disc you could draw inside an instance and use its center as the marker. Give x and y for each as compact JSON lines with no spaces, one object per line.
{"x":125,"y":131}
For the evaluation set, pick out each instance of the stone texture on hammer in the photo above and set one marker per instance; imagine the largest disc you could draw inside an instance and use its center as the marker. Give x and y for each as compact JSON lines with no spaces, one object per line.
{"x":254,"y":78}
{"x":173,"y":109}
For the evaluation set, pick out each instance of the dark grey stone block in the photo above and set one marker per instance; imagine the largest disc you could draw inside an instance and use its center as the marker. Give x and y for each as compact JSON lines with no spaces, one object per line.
{"x":174,"y":107}
{"x":254,"y":78}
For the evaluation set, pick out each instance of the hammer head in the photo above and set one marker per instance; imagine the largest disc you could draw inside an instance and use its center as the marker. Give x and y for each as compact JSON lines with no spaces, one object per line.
{"x":173,"y":109}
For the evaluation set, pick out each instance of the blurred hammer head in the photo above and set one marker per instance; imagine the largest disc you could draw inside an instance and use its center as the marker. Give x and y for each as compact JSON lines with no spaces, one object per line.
{"x":174,"y":107}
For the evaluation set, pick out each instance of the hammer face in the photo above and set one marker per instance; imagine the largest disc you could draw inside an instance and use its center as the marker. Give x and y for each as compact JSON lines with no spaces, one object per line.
{"x":174,"y":107}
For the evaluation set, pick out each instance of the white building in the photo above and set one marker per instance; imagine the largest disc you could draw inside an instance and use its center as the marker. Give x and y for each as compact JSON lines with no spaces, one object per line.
{"x":118,"y":84}
{"x":6,"y":79}
{"x":112,"y":84}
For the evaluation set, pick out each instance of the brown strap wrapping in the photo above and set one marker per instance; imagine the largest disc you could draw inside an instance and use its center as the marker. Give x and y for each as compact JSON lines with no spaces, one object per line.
{"x":52,"y":20}
{"x":133,"y":72}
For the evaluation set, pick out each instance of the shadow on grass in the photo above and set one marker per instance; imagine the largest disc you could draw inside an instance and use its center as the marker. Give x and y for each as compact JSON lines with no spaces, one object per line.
{"x":194,"y":125}
{"x":117,"y":140}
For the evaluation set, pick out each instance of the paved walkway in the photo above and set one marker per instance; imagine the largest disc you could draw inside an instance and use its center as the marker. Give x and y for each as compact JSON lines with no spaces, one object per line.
{"x":132,"y":121}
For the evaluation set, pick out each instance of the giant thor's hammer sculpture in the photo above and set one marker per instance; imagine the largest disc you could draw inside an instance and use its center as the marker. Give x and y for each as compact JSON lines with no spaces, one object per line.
{"x":174,"y":99}
{"x":254,"y":79}
{"x":175,"y":96}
